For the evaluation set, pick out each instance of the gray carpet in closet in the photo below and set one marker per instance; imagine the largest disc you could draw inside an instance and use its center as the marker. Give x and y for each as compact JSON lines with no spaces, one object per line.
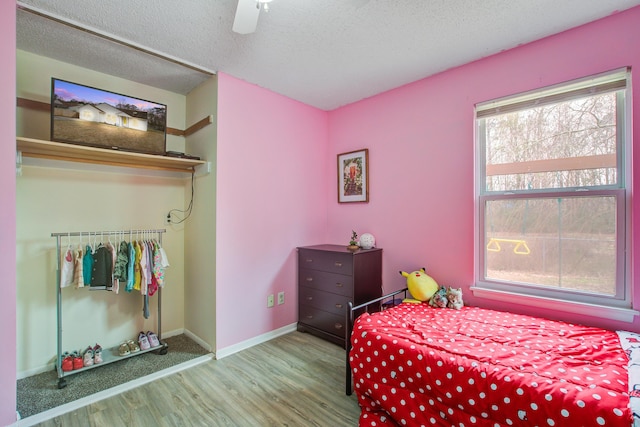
{"x":40,"y":392}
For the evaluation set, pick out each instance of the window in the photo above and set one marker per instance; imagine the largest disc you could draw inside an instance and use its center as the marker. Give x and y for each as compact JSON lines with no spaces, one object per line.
{"x":552,"y":190}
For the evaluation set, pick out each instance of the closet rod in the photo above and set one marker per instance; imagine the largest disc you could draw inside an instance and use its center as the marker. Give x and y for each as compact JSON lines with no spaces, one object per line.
{"x":95,"y":233}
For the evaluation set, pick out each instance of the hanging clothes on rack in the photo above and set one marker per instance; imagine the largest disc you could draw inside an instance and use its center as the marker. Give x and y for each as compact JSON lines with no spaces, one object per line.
{"x":143,"y":278}
{"x":120,"y":268}
{"x":143,"y":267}
{"x":102,"y":265}
{"x":78,"y":276}
{"x":101,"y":271}
{"x":112,"y":267}
{"x":131,"y":267}
{"x":137,"y":268}
{"x":108,"y":265}
{"x":68,"y":262}
{"x":158,"y":271}
{"x":87,"y":265}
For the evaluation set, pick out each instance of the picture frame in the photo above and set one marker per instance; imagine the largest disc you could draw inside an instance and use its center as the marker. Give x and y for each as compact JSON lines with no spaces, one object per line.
{"x":353,"y":177}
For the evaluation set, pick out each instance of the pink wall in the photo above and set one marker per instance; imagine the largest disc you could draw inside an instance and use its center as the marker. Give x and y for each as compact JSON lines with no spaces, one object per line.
{"x":271,"y":198}
{"x":8,"y":213}
{"x":277,"y":174}
{"x":421,"y":146}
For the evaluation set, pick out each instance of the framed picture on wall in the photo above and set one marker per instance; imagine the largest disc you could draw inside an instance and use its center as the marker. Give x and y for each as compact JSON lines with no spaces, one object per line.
{"x":353,"y":176}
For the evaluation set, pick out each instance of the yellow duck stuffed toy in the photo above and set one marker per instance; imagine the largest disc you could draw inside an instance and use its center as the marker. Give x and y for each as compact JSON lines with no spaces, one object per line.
{"x":421,"y":285}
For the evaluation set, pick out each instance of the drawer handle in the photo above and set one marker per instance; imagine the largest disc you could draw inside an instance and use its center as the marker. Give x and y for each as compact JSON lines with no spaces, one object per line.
{"x":310,"y":316}
{"x":309,"y":279}
{"x":338,"y":264}
{"x":339,"y":285}
{"x":308,"y":260}
{"x":338,"y":305}
{"x":338,"y":326}
{"x":309,"y":298}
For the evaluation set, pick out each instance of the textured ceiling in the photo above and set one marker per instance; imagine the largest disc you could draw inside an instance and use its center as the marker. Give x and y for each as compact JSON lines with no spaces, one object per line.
{"x":325,"y":53}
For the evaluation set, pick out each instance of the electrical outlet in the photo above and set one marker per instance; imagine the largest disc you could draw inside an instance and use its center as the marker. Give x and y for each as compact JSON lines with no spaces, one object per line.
{"x":168,"y":218}
{"x":280,"y":298}
{"x":270,"y":301}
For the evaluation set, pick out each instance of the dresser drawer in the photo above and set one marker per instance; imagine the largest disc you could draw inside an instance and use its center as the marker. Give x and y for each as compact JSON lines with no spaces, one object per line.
{"x":329,"y":282}
{"x":329,"y":277}
{"x":326,"y":261}
{"x":325,"y":301}
{"x":325,"y":321}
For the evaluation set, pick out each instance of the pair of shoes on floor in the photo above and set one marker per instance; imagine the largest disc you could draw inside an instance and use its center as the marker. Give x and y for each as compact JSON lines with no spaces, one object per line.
{"x":145,"y":342}
{"x":148,"y":340}
{"x":92,"y":355}
{"x":128,"y":347}
{"x":71,"y":361}
{"x":67,"y":362}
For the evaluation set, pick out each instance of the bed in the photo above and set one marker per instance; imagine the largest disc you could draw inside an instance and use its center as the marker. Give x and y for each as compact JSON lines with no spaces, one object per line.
{"x":417,"y":365}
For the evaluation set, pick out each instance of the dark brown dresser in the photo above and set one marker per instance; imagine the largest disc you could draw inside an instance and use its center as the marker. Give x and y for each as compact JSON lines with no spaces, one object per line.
{"x":329,"y":276}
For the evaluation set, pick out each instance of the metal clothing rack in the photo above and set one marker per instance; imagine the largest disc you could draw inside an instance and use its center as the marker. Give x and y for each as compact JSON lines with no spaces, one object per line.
{"x":108,"y":354}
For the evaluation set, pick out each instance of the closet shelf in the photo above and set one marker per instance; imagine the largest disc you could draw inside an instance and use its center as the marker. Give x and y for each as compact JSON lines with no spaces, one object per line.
{"x":79,"y":153}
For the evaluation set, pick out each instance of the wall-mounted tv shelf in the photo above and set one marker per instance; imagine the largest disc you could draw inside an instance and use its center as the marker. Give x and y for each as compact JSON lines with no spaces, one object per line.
{"x":79,"y":153}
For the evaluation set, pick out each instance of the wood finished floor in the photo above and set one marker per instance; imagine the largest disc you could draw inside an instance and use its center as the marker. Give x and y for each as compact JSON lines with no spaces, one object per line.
{"x":293,"y":380}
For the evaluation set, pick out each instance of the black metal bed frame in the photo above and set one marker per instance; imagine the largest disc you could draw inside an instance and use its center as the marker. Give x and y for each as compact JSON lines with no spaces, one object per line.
{"x":350,"y":318}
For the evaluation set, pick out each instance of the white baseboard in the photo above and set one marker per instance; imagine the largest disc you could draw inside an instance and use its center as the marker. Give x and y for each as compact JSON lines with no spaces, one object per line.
{"x":35,"y":371}
{"x":175,"y":332}
{"x":202,"y":343}
{"x":227,"y":351}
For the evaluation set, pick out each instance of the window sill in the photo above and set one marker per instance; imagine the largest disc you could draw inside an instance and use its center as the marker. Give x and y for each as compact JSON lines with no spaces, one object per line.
{"x":612,"y":313}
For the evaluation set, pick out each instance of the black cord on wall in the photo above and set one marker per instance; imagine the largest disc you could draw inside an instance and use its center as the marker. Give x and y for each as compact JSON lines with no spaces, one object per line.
{"x":186,"y":212}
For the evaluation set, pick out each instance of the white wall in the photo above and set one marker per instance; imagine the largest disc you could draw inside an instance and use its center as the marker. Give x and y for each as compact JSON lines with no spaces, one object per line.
{"x":53,"y":196}
{"x":200,"y":230}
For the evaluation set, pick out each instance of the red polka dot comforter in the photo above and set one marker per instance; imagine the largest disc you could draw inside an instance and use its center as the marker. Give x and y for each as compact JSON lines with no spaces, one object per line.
{"x":416,"y":365}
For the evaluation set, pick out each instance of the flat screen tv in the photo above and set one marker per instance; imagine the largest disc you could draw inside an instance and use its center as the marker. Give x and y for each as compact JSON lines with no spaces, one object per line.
{"x":88,"y":116}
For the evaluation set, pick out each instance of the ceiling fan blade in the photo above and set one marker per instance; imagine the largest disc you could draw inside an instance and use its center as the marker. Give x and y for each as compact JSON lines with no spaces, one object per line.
{"x":246,"y":19}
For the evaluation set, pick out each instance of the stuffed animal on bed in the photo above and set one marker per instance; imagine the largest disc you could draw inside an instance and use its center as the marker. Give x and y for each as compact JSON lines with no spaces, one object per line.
{"x":421,"y":285}
{"x":439,"y":299}
{"x":454,"y":298}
